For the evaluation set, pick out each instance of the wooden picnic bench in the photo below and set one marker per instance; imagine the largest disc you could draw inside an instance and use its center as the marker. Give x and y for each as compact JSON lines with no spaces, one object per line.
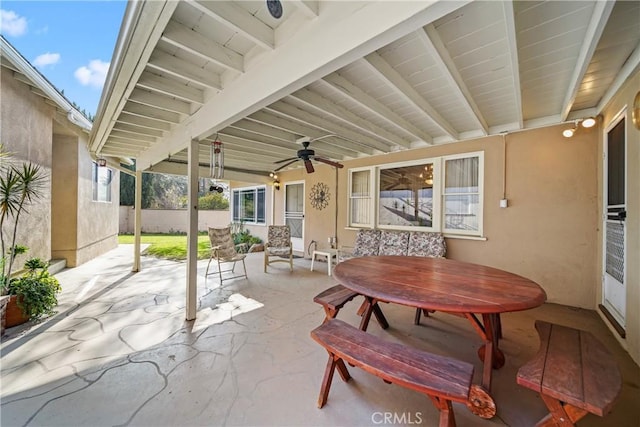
{"x":442,"y":378}
{"x":573,"y":373}
{"x":334,"y":298}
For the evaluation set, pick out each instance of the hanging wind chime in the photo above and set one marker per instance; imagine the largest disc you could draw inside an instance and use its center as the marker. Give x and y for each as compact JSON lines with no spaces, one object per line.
{"x":216,"y":160}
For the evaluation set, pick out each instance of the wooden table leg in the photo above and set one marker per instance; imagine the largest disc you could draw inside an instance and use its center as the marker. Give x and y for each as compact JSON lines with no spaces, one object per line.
{"x":560,"y":414}
{"x":366,"y":316}
{"x":377,"y":311}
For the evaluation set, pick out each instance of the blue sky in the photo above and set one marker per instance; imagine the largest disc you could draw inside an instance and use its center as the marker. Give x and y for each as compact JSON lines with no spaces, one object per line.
{"x":70,"y":42}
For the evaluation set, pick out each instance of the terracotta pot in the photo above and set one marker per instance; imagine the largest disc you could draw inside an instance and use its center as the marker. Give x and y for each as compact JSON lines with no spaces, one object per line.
{"x":14,"y":315}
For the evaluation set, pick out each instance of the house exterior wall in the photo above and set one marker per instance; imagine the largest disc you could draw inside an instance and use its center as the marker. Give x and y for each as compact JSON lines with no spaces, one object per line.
{"x":624,"y":98}
{"x":72,"y":226}
{"x":64,"y":198}
{"x":549,"y":231}
{"x":26,"y":131}
{"x":97,"y":221}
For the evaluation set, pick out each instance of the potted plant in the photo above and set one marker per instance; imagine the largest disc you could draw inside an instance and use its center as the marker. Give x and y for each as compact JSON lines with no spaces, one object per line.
{"x":20,"y":185}
{"x":34,"y":293}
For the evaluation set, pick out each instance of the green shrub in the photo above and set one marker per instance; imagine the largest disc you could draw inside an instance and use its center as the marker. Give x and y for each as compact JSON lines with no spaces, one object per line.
{"x":213,"y":201}
{"x":36,"y":289}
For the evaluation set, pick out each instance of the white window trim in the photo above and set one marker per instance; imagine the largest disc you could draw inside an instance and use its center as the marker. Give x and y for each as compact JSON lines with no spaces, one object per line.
{"x":479,"y":232}
{"x":435,"y":224}
{"x":438,"y":224}
{"x":93,"y":183}
{"x":372,"y":197}
{"x":253,"y":188}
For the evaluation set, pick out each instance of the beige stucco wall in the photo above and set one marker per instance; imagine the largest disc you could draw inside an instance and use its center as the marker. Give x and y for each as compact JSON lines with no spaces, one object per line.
{"x":549,"y":231}
{"x":72,"y":226}
{"x":170,"y":220}
{"x":624,"y":98}
{"x":26,"y":131}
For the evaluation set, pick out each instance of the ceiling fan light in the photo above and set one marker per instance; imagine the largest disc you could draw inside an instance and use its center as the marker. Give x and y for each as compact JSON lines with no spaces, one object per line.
{"x":588,"y":122}
{"x":568,"y":133}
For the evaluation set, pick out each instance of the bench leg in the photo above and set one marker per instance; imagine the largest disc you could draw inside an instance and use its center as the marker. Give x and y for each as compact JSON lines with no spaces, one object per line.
{"x":333,"y":363}
{"x":560,"y":414}
{"x":447,"y":419}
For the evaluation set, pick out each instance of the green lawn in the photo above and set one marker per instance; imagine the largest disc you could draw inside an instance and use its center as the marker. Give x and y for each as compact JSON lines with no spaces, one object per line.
{"x":169,"y":246}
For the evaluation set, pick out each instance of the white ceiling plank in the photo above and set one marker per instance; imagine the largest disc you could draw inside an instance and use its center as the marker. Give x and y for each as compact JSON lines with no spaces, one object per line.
{"x":160,"y":101}
{"x":599,"y":19}
{"x":132,"y":136}
{"x":152,"y":112}
{"x":131,"y":128}
{"x":632,"y":64}
{"x":510,"y":23}
{"x":342,"y":33}
{"x":365,"y":100}
{"x":179,"y":168}
{"x":320,"y":103}
{"x":437,"y":50}
{"x":403,"y":88}
{"x":261,"y":129}
{"x":330,"y":127}
{"x":123,"y":143}
{"x":238,"y":19}
{"x":177,"y":67}
{"x":143,"y":122}
{"x":185,"y":38}
{"x":142,"y":27}
{"x":171,"y":88}
{"x":244,"y":144}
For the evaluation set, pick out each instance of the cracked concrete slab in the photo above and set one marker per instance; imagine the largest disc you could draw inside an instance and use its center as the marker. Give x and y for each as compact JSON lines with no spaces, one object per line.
{"x":120,"y":353}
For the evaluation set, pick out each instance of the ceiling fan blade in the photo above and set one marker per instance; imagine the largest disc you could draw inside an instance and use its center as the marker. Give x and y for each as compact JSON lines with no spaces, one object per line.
{"x":309,"y":166}
{"x":329,"y":162}
{"x":287,"y":164}
{"x":286,"y":160}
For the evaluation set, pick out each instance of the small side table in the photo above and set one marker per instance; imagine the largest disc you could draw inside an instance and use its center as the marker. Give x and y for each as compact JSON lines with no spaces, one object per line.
{"x":329,"y":253}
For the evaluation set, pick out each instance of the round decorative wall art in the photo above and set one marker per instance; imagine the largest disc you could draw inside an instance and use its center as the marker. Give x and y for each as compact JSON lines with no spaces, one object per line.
{"x":319,"y":196}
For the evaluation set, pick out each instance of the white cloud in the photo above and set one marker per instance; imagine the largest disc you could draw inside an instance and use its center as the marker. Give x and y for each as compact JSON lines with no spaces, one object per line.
{"x":12,"y":24}
{"x":46,"y":59}
{"x":93,"y":74}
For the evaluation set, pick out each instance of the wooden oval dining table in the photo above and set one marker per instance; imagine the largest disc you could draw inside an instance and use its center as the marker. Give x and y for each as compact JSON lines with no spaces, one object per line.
{"x":446,"y":285}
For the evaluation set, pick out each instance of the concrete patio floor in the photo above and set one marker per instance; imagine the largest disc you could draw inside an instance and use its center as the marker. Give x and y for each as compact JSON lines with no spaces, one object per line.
{"x":119,"y":352}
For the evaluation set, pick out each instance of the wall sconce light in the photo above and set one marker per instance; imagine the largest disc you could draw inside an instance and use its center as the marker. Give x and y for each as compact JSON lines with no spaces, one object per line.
{"x":276,"y":184}
{"x":101,"y":161}
{"x":585,"y":123}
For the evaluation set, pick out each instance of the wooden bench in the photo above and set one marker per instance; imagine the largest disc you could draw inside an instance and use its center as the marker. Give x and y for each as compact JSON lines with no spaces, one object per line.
{"x":443,"y":379}
{"x":334,"y":298}
{"x":573,"y":373}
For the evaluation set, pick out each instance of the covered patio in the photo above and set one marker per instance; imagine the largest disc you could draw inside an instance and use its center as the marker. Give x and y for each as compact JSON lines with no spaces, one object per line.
{"x":119,"y":352}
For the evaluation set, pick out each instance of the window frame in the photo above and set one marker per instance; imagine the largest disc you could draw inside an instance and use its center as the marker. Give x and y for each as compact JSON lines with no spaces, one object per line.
{"x":95,"y":190}
{"x":456,"y":231}
{"x":255,"y":189}
{"x":439,"y":195}
{"x":372,"y":197}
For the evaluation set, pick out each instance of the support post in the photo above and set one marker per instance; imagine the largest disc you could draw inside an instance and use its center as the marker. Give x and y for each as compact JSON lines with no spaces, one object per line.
{"x":137,"y":223}
{"x":192,"y":231}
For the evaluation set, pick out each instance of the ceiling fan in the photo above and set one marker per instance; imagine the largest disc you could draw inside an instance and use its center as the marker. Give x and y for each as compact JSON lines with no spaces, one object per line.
{"x":307,"y":154}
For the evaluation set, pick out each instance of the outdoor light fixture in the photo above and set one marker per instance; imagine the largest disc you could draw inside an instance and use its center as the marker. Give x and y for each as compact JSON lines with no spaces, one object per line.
{"x":101,"y":161}
{"x":276,"y":184}
{"x":585,"y":123}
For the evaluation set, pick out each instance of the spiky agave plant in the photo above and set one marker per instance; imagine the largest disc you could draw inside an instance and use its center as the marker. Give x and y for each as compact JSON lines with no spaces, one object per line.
{"x":20,"y":185}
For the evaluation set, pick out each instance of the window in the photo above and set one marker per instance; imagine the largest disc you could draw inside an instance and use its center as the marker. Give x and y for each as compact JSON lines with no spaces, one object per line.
{"x":461,"y":195}
{"x":249,"y":205}
{"x":437,"y":194}
{"x":101,"y":183}
{"x":360,"y":197}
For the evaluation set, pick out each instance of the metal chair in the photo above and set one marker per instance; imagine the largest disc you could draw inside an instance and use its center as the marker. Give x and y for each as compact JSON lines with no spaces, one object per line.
{"x":278,"y":245}
{"x":223,"y":250}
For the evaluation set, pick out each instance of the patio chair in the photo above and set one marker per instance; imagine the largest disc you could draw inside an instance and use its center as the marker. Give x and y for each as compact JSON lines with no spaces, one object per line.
{"x":278,"y":245}
{"x":223,"y":250}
